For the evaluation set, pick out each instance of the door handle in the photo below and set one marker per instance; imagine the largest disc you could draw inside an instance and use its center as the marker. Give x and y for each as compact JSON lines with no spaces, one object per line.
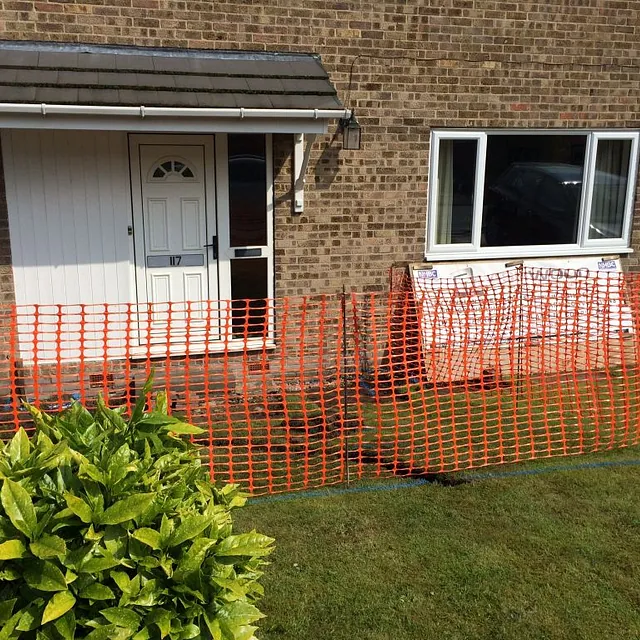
{"x":214,"y":247}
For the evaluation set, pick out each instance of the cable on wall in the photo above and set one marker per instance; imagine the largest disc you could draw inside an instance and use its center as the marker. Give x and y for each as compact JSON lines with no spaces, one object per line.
{"x":575,"y":66}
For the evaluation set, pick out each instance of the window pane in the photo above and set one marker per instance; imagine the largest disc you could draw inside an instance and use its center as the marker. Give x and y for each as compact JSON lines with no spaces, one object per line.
{"x":456,"y":181}
{"x":247,"y":189}
{"x":532,"y":189}
{"x":610,"y":189}
{"x":249,"y":293}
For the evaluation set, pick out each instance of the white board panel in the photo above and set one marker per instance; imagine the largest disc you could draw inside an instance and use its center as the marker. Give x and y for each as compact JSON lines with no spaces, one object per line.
{"x":191,"y":223}
{"x":193,"y":286}
{"x":158,"y":224}
{"x":68,"y":197}
{"x":464,"y":303}
{"x":69,"y":206}
{"x":161,"y":287}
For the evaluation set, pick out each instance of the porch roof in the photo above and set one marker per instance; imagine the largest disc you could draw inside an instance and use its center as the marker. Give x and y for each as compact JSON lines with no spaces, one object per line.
{"x":96,"y":75}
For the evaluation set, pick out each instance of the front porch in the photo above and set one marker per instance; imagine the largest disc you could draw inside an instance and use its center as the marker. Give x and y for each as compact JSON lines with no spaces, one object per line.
{"x":146,"y":177}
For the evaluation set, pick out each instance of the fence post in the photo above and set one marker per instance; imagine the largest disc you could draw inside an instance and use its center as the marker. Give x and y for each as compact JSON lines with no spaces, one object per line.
{"x":15,"y":386}
{"x":521,"y":334}
{"x":345,"y":388}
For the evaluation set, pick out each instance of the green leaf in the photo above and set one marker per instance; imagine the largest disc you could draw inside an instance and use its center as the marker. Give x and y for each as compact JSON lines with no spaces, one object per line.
{"x":109,"y":632}
{"x":44,"y":576}
{"x":166,"y":562}
{"x":148,"y":595}
{"x":88,"y":470}
{"x":9,"y":574}
{"x":235,"y":586}
{"x":127,"y":509}
{"x":138,"y":410}
{"x":119,"y":466}
{"x":93,"y":535}
{"x":59,"y":604}
{"x":66,"y":626}
{"x":161,"y":618}
{"x":19,"y":447}
{"x":12,"y":549}
{"x":166,"y":528}
{"x":77,"y":557}
{"x":122,"y":580}
{"x":189,"y":631}
{"x":245,"y":544}
{"x":69,"y":576}
{"x":48,"y":547}
{"x":184,"y":428}
{"x":18,"y":506}
{"x":235,"y":617}
{"x":214,"y":627}
{"x":239,"y":613}
{"x":190,"y":528}
{"x":122,"y":617}
{"x":115,"y":540}
{"x":9,"y":626}
{"x":161,"y":403}
{"x":149,"y":537}
{"x":79,"y":507}
{"x":31,"y":616}
{"x":6,"y":609}
{"x":143,"y":634}
{"x":96,"y":591}
{"x":93,"y":565}
{"x":113,"y":416}
{"x":120,"y":458}
{"x":195,"y":556}
{"x":167,"y":423}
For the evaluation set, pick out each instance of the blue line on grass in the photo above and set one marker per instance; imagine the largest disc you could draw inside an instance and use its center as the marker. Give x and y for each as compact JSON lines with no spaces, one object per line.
{"x":416,"y":482}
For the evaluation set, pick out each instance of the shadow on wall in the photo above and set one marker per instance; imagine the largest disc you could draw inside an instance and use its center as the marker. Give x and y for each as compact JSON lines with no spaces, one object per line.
{"x":325,"y":171}
{"x":5,"y":248}
{"x":328,"y":164}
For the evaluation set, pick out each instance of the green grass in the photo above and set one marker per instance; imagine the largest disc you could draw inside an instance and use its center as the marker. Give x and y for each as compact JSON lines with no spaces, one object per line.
{"x":296,"y":441}
{"x":549,"y":556}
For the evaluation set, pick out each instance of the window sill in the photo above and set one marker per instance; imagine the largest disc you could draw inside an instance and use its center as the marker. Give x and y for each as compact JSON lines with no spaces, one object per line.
{"x":177,"y":349}
{"x":156,"y":352}
{"x":516,"y":254}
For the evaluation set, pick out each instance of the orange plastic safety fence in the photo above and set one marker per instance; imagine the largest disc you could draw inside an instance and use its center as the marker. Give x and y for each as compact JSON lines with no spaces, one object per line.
{"x":294,"y":393}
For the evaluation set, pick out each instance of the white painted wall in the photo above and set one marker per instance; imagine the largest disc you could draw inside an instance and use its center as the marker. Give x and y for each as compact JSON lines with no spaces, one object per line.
{"x":69,"y":200}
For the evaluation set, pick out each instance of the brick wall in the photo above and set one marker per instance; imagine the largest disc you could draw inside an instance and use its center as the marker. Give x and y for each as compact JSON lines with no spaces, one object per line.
{"x":480,"y":64}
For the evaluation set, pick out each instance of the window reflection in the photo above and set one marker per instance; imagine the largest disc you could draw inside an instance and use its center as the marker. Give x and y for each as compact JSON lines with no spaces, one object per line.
{"x":247,"y":190}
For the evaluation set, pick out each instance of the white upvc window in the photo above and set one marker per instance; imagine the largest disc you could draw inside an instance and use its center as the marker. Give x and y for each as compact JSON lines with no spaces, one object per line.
{"x":530,"y":193}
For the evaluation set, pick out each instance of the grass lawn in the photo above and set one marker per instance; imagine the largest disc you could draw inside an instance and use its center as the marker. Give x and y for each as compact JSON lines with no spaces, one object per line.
{"x":553,"y":555}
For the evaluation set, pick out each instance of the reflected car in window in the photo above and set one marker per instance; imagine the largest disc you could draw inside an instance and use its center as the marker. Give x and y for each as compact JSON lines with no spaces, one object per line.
{"x":539,"y":203}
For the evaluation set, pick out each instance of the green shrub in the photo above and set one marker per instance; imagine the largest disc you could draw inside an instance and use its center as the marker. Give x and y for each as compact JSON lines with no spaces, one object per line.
{"x":111,"y":529}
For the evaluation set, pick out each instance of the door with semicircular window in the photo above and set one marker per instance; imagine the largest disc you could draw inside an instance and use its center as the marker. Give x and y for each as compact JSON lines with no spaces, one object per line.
{"x":176,"y":241}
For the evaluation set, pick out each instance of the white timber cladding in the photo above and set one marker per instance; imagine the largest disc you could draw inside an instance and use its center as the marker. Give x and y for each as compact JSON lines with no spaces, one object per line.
{"x":69,"y":204}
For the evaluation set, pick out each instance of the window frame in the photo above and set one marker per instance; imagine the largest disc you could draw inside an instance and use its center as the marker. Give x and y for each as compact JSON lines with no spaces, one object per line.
{"x":587,"y":194}
{"x":226,"y":253}
{"x":481,"y":140}
{"x":583,"y":245}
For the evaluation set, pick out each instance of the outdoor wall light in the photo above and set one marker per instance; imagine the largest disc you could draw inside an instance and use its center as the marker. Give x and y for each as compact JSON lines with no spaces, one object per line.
{"x":350,"y":133}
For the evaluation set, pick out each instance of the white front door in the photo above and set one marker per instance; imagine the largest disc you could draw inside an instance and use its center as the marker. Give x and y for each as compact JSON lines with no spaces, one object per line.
{"x":175,"y":236}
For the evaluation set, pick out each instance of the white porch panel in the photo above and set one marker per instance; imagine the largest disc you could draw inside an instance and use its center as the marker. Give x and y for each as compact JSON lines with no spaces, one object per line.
{"x":69,"y":206}
{"x":69,"y":203}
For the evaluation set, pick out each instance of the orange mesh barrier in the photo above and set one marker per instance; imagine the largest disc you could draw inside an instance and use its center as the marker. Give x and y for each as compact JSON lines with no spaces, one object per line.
{"x":305,"y":392}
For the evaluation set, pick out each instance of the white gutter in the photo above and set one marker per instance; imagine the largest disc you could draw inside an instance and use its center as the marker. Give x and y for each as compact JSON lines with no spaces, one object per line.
{"x":169,"y":112}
